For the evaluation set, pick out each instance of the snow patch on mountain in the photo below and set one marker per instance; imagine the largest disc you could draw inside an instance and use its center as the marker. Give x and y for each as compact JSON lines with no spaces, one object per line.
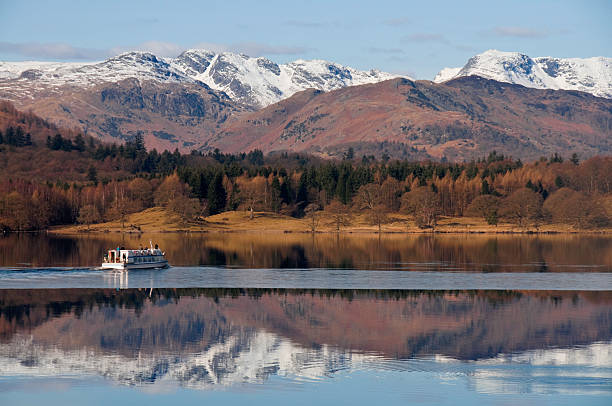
{"x":257,"y":82}
{"x":446,"y":74}
{"x":591,"y":75}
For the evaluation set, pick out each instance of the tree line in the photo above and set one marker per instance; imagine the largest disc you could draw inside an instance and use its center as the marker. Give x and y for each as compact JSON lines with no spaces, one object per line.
{"x":15,"y":136}
{"x":496,"y":188}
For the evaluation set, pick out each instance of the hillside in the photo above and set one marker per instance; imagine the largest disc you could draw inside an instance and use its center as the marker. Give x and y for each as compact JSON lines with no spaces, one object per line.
{"x":167,"y":115}
{"x":460,"y":119}
{"x":61,"y":179}
{"x":209,"y":100}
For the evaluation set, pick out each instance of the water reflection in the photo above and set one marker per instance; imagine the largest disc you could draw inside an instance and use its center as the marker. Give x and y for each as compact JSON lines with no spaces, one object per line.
{"x":468,"y":252}
{"x":500,"y":341}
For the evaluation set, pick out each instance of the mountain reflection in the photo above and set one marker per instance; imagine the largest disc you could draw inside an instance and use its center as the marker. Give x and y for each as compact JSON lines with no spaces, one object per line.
{"x":207,"y":337}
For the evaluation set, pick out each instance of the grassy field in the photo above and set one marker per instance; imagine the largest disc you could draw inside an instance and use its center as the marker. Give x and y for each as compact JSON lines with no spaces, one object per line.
{"x":158,"y":219}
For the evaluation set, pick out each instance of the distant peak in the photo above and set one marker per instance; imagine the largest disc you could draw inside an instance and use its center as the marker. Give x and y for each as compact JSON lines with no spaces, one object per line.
{"x":198,"y":51}
{"x":136,"y":55}
{"x":591,"y":75}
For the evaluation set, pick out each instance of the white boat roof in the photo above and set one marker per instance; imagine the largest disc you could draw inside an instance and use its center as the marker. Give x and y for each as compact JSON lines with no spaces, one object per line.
{"x":146,"y":251}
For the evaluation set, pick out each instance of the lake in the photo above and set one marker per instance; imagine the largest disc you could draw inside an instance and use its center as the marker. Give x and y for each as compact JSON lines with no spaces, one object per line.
{"x":297,"y":319}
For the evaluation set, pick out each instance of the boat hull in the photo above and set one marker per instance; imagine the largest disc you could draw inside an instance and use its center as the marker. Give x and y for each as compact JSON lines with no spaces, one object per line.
{"x":122,"y":266}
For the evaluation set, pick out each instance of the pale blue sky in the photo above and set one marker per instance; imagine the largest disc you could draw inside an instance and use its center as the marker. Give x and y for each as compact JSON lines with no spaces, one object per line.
{"x":415,"y":38}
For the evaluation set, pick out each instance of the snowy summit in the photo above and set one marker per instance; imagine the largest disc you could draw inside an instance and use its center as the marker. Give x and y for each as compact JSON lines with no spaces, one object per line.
{"x":257,"y":82}
{"x":591,"y":75}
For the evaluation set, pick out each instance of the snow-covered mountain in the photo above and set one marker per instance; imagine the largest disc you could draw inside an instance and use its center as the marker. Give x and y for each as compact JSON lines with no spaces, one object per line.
{"x":256,"y":82}
{"x":591,"y":75}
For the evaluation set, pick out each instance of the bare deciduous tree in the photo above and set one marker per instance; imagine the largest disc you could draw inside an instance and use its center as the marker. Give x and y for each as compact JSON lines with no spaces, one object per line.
{"x":170,"y":188}
{"x":253,"y":193}
{"x":390,"y":194}
{"x":522,"y":207}
{"x":88,"y":215}
{"x":369,"y":196}
{"x":570,"y":207}
{"x":378,"y":216}
{"x":339,"y":213}
{"x":424,"y":204}
{"x":371,"y":199}
{"x":313,"y":216}
{"x":485,"y":206}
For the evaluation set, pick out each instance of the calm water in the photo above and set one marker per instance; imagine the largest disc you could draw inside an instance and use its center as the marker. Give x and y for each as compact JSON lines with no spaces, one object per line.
{"x":292,"y":319}
{"x":457,"y":252}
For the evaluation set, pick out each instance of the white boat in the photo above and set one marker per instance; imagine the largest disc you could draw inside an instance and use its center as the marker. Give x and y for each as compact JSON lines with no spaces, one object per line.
{"x":146,"y":258}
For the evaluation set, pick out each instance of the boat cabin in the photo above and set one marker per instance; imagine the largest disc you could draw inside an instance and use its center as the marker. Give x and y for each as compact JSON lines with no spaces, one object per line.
{"x":143,"y":256}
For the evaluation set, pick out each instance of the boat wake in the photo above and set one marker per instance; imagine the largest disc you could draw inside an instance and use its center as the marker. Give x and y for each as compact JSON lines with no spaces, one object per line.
{"x":44,"y":269}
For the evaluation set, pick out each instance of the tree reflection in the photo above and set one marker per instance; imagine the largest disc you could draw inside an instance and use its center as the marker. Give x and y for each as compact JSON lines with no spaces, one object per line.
{"x":469,"y":252}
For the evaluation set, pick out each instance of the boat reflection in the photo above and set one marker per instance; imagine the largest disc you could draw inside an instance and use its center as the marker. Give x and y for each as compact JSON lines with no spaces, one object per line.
{"x":211,"y":338}
{"x":117,"y":279}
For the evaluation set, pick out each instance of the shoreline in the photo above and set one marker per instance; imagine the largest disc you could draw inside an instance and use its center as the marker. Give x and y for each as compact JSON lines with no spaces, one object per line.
{"x":159,"y":220}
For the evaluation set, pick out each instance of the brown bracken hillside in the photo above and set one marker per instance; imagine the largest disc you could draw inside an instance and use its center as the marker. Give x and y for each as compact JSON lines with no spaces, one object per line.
{"x":460,"y":119}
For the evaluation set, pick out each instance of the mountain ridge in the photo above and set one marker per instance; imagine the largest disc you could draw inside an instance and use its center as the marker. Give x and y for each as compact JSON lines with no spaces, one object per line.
{"x":170,"y":103}
{"x":463,"y":118}
{"x":590,"y":75}
{"x":256,"y":82}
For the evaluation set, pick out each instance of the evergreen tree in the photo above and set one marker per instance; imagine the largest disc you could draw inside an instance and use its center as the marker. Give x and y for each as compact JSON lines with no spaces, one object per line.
{"x":57,"y":142}
{"x":302,"y":193}
{"x":574,"y":159}
{"x":485,"y":189}
{"x":255,"y":157}
{"x":555,"y":159}
{"x":285,"y":191}
{"x":79,"y":143}
{"x":67,"y":145}
{"x":350,"y":154}
{"x":202,"y":186}
{"x":343,"y":189}
{"x":275,"y":195}
{"x":492,"y":218}
{"x":217,"y":196}
{"x":139,"y":142}
{"x":20,"y":138}
{"x":10,"y":136}
{"x":92,"y":174}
